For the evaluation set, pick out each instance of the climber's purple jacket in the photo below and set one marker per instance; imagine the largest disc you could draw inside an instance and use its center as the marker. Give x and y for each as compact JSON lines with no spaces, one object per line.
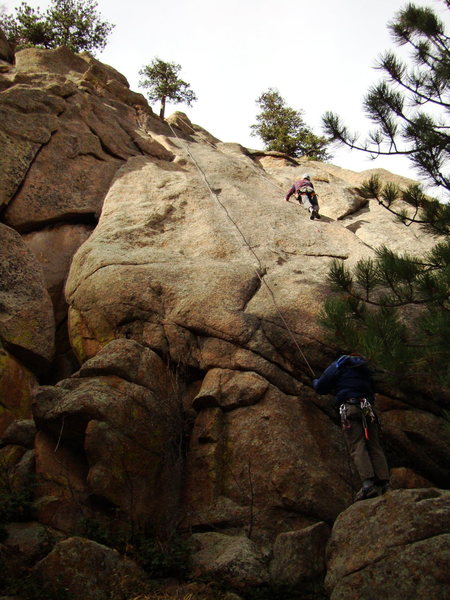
{"x":347,"y":377}
{"x":297,"y":185}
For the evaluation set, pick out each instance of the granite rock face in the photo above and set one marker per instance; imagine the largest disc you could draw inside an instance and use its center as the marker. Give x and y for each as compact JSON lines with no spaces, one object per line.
{"x":82,"y":568}
{"x":396,"y":546}
{"x":235,"y":560}
{"x":115,"y":431}
{"x":182,"y":293}
{"x":26,"y":327}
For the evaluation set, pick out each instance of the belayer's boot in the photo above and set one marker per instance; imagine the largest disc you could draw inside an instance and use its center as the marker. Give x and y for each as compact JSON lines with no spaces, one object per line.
{"x":385,"y":486}
{"x":368,"y":490}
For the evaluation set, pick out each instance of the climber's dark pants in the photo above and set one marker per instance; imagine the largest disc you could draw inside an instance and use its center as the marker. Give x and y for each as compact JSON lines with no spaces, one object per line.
{"x":368,"y":455}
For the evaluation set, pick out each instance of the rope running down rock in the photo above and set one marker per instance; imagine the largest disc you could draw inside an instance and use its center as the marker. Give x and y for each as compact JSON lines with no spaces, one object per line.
{"x":260,"y":269}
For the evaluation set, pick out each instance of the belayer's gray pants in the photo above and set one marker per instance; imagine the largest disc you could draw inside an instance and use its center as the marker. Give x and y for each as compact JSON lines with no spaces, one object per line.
{"x":368,"y":455}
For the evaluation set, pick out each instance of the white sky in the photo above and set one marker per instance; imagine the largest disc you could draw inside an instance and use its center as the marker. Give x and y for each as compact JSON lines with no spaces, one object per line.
{"x":319,"y":54}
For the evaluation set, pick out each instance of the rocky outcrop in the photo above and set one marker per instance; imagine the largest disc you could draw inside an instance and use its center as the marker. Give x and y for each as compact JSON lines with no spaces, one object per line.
{"x":67,"y":124}
{"x":66,"y":140}
{"x":299,"y":555}
{"x":183,"y":293}
{"x":109,"y":434}
{"x":6,"y":53}
{"x":29,"y":542}
{"x":26,"y":327}
{"x":234,"y":560}
{"x":82,"y":568}
{"x":396,"y":546}
{"x":29,"y":330}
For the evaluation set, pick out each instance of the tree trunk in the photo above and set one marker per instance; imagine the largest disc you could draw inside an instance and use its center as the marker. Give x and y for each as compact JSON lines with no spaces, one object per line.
{"x":163,"y":107}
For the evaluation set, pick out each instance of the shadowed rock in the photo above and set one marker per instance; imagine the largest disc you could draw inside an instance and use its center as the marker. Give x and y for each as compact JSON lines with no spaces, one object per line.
{"x":83,"y":568}
{"x":395,"y":546}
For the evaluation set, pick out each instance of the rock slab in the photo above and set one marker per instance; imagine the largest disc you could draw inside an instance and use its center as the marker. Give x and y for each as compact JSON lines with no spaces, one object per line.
{"x":396,"y":546}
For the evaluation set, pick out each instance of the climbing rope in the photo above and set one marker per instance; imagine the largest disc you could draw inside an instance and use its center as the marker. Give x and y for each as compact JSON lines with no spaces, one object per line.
{"x":260,"y":271}
{"x":255,"y":169}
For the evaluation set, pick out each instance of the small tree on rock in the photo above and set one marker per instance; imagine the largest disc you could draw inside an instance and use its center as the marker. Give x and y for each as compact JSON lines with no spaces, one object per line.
{"x":72,"y":23}
{"x":162,"y":83}
{"x":282,"y":129}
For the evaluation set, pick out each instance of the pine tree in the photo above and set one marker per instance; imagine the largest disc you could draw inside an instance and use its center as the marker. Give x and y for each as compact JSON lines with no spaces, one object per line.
{"x":395,"y":308}
{"x":72,"y":23}
{"x":282,"y":129}
{"x":161,"y":80}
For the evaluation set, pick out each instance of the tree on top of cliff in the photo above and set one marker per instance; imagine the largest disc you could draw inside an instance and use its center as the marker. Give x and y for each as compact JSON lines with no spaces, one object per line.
{"x":410,"y":107}
{"x":162,"y":83}
{"x":282,"y":129}
{"x":395,"y":308}
{"x":72,"y":23}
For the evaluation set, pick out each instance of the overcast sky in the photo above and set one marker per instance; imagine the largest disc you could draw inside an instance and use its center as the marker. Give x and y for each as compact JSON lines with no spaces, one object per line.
{"x":319,"y":54}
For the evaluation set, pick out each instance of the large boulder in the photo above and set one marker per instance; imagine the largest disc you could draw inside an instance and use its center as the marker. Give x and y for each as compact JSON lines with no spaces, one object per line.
{"x":396,"y":547}
{"x":30,"y":541}
{"x":207,"y":247}
{"x":64,"y":180}
{"x":112,"y":437}
{"x":21,"y":137}
{"x":82,"y":568}
{"x":64,"y":141}
{"x":182,"y":246}
{"x":233,"y":560}
{"x":299,"y":555}
{"x":264,"y":467}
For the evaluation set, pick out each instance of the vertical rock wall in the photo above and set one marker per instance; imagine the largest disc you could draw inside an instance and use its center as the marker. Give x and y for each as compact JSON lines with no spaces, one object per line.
{"x":182,"y":294}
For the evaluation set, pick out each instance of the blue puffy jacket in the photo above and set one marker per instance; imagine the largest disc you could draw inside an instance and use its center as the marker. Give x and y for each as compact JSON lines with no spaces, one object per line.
{"x":347,"y":377}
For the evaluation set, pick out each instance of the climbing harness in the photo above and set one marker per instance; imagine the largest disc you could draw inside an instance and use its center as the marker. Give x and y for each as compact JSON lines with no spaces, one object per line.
{"x":366,"y":412}
{"x":260,"y":270}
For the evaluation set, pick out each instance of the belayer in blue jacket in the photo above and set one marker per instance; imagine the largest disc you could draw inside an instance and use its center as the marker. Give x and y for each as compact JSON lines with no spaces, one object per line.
{"x":350,"y":380}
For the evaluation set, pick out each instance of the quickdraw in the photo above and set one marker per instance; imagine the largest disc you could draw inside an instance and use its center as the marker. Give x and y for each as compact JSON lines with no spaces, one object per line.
{"x":344,"y":418}
{"x":367,"y":413}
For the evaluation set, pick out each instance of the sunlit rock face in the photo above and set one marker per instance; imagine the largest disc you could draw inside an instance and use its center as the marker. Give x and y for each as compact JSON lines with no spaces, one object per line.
{"x":182,"y":293}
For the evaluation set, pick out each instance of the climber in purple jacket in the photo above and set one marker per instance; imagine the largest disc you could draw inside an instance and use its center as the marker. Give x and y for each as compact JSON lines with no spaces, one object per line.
{"x":350,"y":379}
{"x":306,"y":195}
